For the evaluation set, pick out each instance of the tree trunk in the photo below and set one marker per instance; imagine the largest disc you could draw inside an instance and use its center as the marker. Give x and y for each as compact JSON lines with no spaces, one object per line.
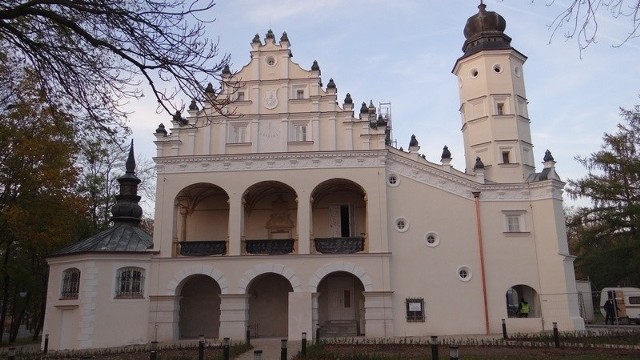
{"x":5,"y":290}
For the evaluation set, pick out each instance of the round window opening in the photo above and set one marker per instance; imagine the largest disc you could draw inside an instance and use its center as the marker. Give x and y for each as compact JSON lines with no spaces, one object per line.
{"x":432,"y":239}
{"x":497,"y":68}
{"x":271,"y":61}
{"x":464,"y":273}
{"x":474,"y":73}
{"x":393,"y":180}
{"x":402,"y":224}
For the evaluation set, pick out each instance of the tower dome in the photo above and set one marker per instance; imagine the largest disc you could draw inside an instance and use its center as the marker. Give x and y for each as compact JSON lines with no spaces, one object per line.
{"x":484,"y":21}
{"x":485,"y":31}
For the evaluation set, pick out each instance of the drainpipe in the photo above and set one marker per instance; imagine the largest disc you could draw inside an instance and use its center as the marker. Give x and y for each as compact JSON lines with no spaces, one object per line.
{"x":476,"y":197}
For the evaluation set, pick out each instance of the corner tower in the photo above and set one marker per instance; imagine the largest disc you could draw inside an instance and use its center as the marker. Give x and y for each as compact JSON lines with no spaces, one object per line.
{"x":493,"y":101}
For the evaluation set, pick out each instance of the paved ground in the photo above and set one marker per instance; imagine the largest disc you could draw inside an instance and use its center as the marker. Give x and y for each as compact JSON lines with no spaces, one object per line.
{"x":271,"y":349}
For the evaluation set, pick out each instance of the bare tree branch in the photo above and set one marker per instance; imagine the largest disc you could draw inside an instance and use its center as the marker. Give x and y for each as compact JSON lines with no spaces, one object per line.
{"x":98,"y":52}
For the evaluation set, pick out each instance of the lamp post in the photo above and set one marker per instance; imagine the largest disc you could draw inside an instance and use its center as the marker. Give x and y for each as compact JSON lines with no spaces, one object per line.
{"x":153,"y":353}
{"x":304,"y":343}
{"x":225,"y":348}
{"x":201,"y":348}
{"x":283,"y":349}
{"x":434,"y":348}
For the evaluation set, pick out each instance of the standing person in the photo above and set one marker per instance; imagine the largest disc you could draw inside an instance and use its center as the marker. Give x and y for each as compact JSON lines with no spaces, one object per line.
{"x":608,"y":311}
{"x":523,"y":308}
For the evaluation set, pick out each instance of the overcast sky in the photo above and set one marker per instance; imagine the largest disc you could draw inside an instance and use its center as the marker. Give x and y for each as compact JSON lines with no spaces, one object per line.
{"x":403,"y":51}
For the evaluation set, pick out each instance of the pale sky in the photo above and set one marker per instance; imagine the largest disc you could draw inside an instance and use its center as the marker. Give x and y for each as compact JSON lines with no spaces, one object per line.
{"x":403,"y":51}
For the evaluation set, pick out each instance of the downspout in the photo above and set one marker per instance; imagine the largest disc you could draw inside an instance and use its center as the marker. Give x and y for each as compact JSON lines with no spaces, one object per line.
{"x":476,"y":197}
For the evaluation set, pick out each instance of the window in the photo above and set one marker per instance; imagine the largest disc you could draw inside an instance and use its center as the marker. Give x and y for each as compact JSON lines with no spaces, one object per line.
{"x":464,"y":273}
{"x":432,"y":239}
{"x":415,"y":309}
{"x":299,"y":132}
{"x":238,"y":133}
{"x":70,"y":284}
{"x":130,"y":283}
{"x":514,"y":221}
{"x":392,"y":180}
{"x":299,"y":94}
{"x":500,"y":109}
{"x":240,"y":95}
{"x":505,"y":157}
{"x":402,"y":224}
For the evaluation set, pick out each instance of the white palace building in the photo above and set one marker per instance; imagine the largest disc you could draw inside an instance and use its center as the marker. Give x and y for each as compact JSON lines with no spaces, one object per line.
{"x":297,"y":213}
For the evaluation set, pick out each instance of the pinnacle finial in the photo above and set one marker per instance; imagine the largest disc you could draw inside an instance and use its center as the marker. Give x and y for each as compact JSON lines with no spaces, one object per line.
{"x":131,"y":161}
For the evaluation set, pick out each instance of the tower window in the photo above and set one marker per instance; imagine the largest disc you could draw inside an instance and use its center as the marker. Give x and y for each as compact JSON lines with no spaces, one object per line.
{"x":299,"y":94}
{"x":240,"y":95}
{"x":505,"y":157}
{"x":500,"y":109}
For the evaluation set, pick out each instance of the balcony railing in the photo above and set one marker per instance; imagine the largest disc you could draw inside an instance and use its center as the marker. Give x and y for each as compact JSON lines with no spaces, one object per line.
{"x":269,"y":247}
{"x":339,"y":245}
{"x":203,"y":248}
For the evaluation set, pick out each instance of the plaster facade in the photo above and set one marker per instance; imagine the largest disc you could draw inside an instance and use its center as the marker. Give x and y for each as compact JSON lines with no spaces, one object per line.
{"x":294,"y":211}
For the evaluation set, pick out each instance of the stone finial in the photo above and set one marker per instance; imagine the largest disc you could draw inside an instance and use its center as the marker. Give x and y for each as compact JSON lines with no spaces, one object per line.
{"x":381,"y":120}
{"x":177,"y":117}
{"x":548,"y":156}
{"x":315,"y":66}
{"x":284,"y":38}
{"x":363,"y":108}
{"x":161,"y":130}
{"x":479,"y":165}
{"x":270,"y":36}
{"x":347,"y":99}
{"x":446,"y":154}
{"x":226,"y":70}
{"x":209,"y":90}
{"x":193,"y":105}
{"x":331,"y":85}
{"x":413,"y":141}
{"x":372,"y":107}
{"x":256,"y":39}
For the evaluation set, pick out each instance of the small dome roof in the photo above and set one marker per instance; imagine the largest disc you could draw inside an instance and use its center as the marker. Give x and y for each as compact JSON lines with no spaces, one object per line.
{"x":484,"y":21}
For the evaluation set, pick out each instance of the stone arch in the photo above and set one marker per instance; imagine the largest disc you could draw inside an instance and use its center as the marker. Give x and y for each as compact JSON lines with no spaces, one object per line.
{"x":348,"y":267}
{"x":260,"y":269}
{"x":178,"y":279}
{"x":517,"y":292}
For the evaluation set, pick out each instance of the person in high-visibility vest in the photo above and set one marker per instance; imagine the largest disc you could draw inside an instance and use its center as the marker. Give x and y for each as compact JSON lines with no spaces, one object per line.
{"x":523,"y":309}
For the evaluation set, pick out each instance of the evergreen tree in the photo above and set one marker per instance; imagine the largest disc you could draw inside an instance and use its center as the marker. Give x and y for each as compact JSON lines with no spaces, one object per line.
{"x":606,"y":235}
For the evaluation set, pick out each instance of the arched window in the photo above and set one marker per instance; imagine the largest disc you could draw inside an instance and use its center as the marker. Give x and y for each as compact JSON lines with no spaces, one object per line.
{"x":130,"y":283}
{"x":70,"y":284}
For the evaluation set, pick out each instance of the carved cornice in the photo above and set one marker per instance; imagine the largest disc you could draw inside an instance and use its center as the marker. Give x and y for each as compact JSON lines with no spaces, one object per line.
{"x":464,"y":185}
{"x":421,"y":171}
{"x":280,"y":161}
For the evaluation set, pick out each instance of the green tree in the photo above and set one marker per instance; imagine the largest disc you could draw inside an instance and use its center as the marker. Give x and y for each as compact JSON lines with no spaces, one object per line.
{"x":606,"y":236}
{"x":38,"y":204}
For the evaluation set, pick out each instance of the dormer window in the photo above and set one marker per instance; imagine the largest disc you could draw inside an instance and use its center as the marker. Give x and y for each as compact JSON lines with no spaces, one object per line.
{"x":299,"y":94}
{"x":500,"y":109}
{"x":240,"y":95}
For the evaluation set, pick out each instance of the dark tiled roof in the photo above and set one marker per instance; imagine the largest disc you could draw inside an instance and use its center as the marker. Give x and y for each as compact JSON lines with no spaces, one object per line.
{"x":121,"y":237}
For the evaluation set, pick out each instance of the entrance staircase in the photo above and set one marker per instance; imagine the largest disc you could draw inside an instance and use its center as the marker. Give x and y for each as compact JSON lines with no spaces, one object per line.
{"x":339,"y":328}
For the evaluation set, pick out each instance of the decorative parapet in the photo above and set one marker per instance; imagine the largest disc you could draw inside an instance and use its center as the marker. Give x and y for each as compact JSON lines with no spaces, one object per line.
{"x":269,"y":247}
{"x":203,"y":248}
{"x":339,"y":245}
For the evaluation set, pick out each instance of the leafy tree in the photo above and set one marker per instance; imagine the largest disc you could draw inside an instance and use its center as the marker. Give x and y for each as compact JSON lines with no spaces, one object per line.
{"x":38,"y":205}
{"x":101,"y":163}
{"x":95,"y":53}
{"x":607,"y":235}
{"x":581,"y":18}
